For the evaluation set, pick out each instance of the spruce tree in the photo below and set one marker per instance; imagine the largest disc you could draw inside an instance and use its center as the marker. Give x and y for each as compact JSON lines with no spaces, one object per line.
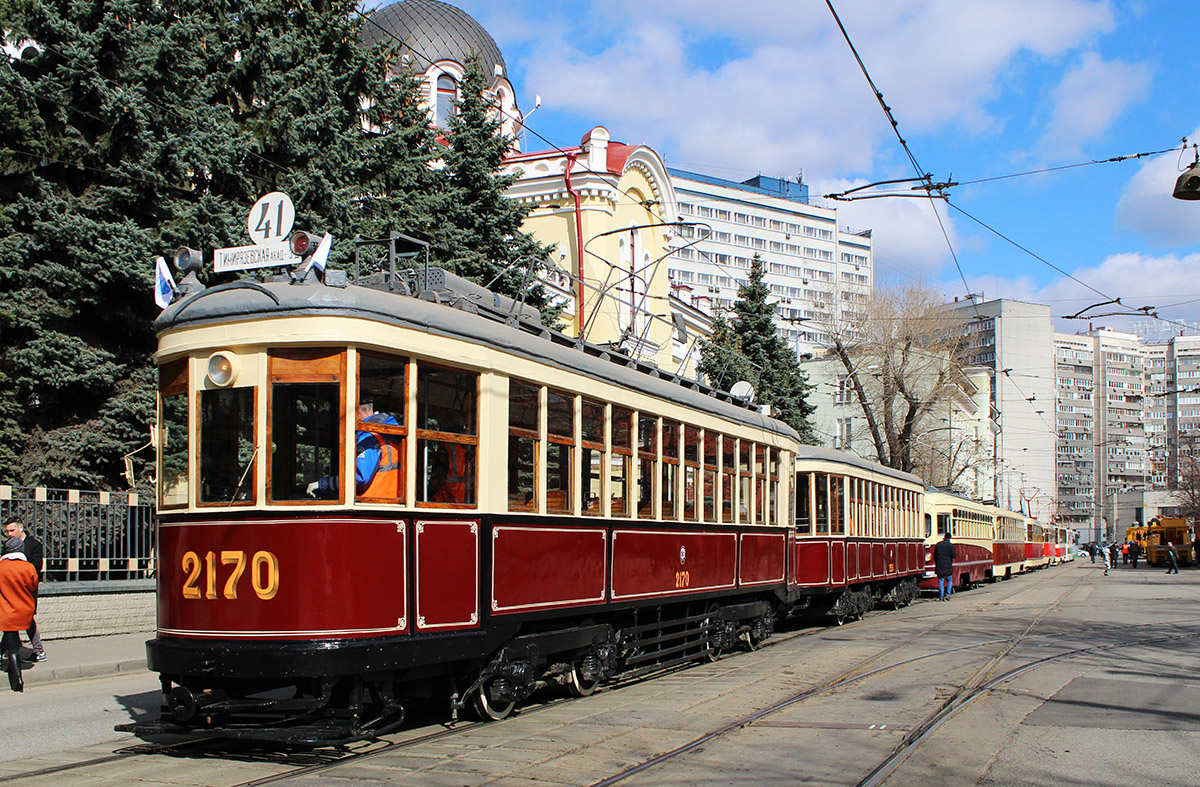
{"x":722,"y":361}
{"x":481,"y":237}
{"x":139,"y":126}
{"x":775,"y":374}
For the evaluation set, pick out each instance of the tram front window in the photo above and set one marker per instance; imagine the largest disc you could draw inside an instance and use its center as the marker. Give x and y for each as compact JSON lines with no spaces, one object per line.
{"x":173,"y":434}
{"x":305,"y":427}
{"x":226,"y":447}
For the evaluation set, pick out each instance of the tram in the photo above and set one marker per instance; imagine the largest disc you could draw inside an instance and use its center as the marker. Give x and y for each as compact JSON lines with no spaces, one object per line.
{"x":1036,"y":541}
{"x":970,"y":525}
{"x":1008,"y":547}
{"x":366,"y":497}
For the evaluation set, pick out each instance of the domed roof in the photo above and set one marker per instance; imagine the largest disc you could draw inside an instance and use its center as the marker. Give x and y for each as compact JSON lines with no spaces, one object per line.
{"x":432,"y":31}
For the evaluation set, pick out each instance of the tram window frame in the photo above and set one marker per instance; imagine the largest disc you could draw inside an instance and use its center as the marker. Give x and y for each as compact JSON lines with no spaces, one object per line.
{"x":620,"y":462}
{"x":837,"y":505}
{"x":760,"y":484}
{"x":710,"y":451}
{"x":728,"y":477}
{"x":524,"y":445}
{"x":322,"y":371}
{"x":173,"y":430}
{"x":380,"y":391}
{"x":560,"y":452}
{"x":592,"y":448}
{"x":745,"y":480}
{"x":773,"y":482}
{"x":647,"y":431}
{"x":821,"y":503}
{"x":465,"y":441}
{"x":691,"y":473}
{"x":804,"y":503}
{"x":669,"y":498}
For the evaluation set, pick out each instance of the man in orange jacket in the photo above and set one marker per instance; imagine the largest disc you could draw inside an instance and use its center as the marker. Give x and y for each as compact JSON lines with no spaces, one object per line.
{"x":18,"y":603}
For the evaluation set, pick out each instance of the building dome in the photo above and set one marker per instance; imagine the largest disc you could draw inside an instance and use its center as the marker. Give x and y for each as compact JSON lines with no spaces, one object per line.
{"x":433,"y":31}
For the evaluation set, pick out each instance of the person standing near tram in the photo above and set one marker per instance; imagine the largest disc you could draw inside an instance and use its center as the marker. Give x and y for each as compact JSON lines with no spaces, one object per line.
{"x":943,"y":565}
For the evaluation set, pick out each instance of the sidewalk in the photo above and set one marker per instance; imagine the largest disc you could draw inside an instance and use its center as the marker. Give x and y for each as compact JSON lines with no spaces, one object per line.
{"x":85,"y":657}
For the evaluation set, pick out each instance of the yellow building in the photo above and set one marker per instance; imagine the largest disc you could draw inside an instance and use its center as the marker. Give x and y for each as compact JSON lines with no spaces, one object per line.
{"x":610,"y":209}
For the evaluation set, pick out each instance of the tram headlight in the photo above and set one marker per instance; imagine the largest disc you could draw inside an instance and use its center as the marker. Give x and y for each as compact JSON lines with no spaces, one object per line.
{"x":223,"y":369}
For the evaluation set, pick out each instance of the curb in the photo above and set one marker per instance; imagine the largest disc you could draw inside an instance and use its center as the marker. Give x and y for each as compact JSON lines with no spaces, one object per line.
{"x":39,"y":676}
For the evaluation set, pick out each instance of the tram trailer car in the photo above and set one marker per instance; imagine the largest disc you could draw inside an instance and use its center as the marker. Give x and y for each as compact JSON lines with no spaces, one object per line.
{"x":541,"y":513}
{"x":1008,"y":548}
{"x":1036,"y":555}
{"x":970,"y":524}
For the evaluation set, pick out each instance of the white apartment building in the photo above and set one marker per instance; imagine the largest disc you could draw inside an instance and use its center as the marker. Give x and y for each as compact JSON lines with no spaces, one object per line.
{"x":1103,"y":448}
{"x":1014,"y":340}
{"x":816,"y":269}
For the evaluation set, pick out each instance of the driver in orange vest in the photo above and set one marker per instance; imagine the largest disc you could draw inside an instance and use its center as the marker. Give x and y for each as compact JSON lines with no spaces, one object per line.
{"x":376,"y":462}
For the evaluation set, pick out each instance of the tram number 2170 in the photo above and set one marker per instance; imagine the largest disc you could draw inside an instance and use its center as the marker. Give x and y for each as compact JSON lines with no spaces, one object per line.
{"x":264,"y":574}
{"x":683,"y":579}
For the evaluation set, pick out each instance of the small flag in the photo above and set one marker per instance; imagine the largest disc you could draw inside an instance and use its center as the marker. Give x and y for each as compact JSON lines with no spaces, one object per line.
{"x":164,"y":283}
{"x":321,"y":255}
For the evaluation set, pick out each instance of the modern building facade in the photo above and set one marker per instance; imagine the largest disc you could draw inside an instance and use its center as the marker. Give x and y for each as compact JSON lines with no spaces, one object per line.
{"x":1014,"y":340}
{"x":819,"y":271}
{"x":1103,"y":448}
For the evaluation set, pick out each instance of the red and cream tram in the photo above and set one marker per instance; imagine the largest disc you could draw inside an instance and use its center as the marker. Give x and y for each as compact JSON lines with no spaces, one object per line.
{"x":1008,"y":548}
{"x":366,"y":497}
{"x":1038,"y":544}
{"x":970,"y":524}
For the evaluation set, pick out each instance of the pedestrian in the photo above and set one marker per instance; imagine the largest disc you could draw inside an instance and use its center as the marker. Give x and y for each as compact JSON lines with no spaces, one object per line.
{"x":1091,"y":548}
{"x":1113,"y":550}
{"x":1171,"y":556}
{"x":1107,"y":554}
{"x":943,"y":565}
{"x":1135,"y":551}
{"x":1196,"y":549}
{"x":1125,"y":553}
{"x":18,"y":602}
{"x":34,"y":553}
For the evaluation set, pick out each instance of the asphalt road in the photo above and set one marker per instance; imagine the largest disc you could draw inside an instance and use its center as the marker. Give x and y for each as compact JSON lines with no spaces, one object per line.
{"x":1065,"y":677}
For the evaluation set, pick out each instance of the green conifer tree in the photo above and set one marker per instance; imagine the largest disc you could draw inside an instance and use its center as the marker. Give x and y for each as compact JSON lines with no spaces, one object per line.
{"x":766,"y":360}
{"x":136,"y":126}
{"x":481,"y":237}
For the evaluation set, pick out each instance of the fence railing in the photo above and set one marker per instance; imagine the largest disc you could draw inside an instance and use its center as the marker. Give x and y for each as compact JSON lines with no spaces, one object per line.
{"x":87,"y":536}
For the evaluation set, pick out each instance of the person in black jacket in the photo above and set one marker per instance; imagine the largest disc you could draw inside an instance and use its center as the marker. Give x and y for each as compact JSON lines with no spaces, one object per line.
{"x":943,"y":565}
{"x":34,"y":554}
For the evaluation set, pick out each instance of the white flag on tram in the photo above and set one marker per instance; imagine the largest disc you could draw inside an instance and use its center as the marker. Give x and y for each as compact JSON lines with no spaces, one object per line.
{"x":164,"y":283}
{"x":321,"y":255}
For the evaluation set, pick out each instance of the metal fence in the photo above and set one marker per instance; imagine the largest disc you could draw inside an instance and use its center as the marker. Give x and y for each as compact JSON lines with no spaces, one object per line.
{"x":88,"y":536}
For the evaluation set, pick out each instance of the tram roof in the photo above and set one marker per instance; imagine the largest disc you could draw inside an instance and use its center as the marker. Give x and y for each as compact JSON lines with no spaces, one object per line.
{"x":246,"y":299}
{"x":823,"y":454}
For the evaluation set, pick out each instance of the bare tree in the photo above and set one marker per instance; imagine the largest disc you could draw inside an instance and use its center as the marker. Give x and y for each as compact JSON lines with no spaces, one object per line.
{"x":903,"y":353}
{"x":1187,"y":491}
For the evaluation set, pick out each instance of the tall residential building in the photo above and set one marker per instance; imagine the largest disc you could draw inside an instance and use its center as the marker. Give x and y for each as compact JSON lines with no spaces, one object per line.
{"x":1103,"y":447}
{"x":1175,"y":396}
{"x":1015,"y":341}
{"x":816,"y":269}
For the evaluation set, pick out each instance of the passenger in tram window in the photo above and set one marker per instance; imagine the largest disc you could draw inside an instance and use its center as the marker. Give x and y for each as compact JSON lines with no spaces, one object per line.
{"x":376,"y":460}
{"x":449,"y":474}
{"x":943,"y":565}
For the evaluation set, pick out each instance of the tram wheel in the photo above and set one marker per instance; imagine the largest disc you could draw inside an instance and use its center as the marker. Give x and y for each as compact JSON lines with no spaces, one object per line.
{"x":489,"y":710}
{"x":580,"y":686}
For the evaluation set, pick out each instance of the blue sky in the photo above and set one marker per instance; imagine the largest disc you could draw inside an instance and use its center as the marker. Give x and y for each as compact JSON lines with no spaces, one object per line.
{"x":980,"y":89}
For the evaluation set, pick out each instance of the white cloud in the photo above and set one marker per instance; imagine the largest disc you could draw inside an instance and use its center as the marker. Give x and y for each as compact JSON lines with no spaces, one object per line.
{"x":1147,"y":208}
{"x":1089,"y":99}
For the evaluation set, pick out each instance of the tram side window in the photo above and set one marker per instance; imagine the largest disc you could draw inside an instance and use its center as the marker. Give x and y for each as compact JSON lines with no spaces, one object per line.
{"x":943,"y":522}
{"x":836,"y":492}
{"x":670,"y":470}
{"x":691,"y":471}
{"x":773,"y":476}
{"x":647,"y":465}
{"x":928,"y":526}
{"x":745,"y":480}
{"x":379,"y":433}
{"x":728,"y":473}
{"x":173,"y":434}
{"x":803,"y":504}
{"x":620,"y":461}
{"x":821,"y":481}
{"x":760,"y":484}
{"x":591,"y":439}
{"x":305,"y":404}
{"x":524,"y":420}
{"x":447,"y":436}
{"x":709,"y":490}
{"x":560,"y":428}
{"x":227,"y":446}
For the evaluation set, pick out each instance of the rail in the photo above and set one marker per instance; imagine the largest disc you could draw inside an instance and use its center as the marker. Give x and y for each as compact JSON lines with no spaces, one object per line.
{"x":88,"y":536}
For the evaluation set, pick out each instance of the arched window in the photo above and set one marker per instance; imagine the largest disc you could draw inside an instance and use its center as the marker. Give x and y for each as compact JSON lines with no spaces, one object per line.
{"x":447,"y":94}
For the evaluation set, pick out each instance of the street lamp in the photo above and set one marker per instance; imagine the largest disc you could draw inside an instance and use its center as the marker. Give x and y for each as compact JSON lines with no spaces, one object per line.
{"x":1188,"y":185}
